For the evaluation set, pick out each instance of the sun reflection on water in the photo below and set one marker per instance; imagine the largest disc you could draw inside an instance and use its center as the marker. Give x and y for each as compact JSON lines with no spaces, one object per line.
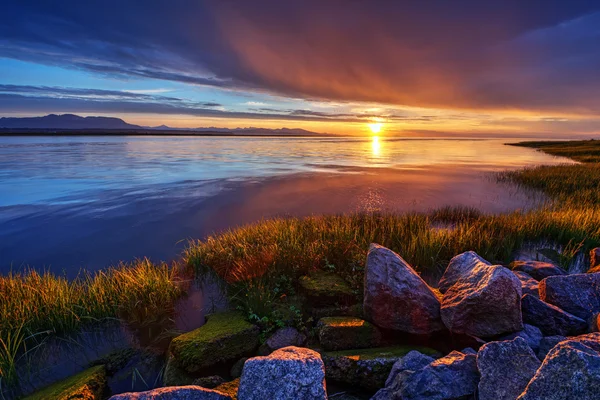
{"x":376,"y":146}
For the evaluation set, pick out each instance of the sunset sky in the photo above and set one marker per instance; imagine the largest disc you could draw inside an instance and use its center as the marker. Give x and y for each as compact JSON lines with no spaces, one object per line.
{"x":426,"y":68}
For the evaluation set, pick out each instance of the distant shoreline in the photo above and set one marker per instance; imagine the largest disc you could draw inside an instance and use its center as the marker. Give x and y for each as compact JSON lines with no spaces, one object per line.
{"x":120,"y":132}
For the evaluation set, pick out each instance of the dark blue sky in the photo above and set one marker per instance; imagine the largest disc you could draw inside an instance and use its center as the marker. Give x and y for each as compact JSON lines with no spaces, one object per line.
{"x":428,"y":67}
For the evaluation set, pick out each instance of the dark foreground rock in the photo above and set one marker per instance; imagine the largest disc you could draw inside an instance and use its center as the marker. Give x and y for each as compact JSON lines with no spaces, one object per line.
{"x":282,"y":337}
{"x":461,"y":265}
{"x":402,"y":369}
{"x":175,"y":393}
{"x":395,"y":296}
{"x":528,"y":284}
{"x":343,"y":333}
{"x":532,"y":335}
{"x":578,"y":294}
{"x":288,"y":373}
{"x":486,"y":302}
{"x":550,"y":319}
{"x":90,"y":384}
{"x":537,"y":269}
{"x":506,"y":368}
{"x":547,"y":343}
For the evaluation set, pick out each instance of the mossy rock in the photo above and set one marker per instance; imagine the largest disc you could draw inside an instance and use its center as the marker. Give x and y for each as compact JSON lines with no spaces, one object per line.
{"x":343,"y":333}
{"x":175,"y":376}
{"x":366,"y":368}
{"x":229,"y":388}
{"x":90,"y":384}
{"x":325,"y":289}
{"x":225,"y":337}
{"x":354,"y":310}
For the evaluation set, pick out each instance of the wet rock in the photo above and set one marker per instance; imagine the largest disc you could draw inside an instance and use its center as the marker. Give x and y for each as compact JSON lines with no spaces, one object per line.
{"x":458,"y":267}
{"x":326,"y":289}
{"x":506,"y":368}
{"x":174,"y":393}
{"x":547,"y":343}
{"x":537,"y":269}
{"x":236,"y":369}
{"x":532,"y":335}
{"x":90,"y":384}
{"x":485,"y":302}
{"x":577,"y":294}
{"x":594,"y":260}
{"x":550,"y":319}
{"x":209,"y":382}
{"x":343,"y":333}
{"x":528,"y":284}
{"x":282,"y":337}
{"x":288,"y":373}
{"x":395,"y":296}
{"x":366,"y":368}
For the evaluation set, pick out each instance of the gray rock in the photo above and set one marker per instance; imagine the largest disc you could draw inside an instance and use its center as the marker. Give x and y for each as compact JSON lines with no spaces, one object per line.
{"x":484,"y":303}
{"x":571,"y":370}
{"x":550,"y":319}
{"x":406,"y":366}
{"x":395,"y":296}
{"x":537,"y":269}
{"x":458,"y":267}
{"x":468,"y":350}
{"x":451,"y":377}
{"x":594,"y":260}
{"x":209,"y":382}
{"x":506,"y":368}
{"x":528,"y":284}
{"x":547,"y":343}
{"x":283,"y":337}
{"x":578,"y":294}
{"x":383,"y":394}
{"x":531,"y":334}
{"x":174,"y":393}
{"x":287,"y":373}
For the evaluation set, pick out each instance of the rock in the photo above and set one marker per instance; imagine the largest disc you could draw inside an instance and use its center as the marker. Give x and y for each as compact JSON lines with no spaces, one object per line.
{"x":396,"y":297}
{"x":367,"y":368}
{"x":484,"y":303}
{"x":90,"y":384}
{"x":594,"y":260}
{"x":236,"y":369}
{"x":532,"y":335}
{"x":506,"y":368}
{"x":550,"y":319}
{"x":229,"y":388}
{"x":406,"y":366}
{"x":343,"y":333}
{"x":355,"y":310}
{"x":571,"y":370}
{"x":174,"y":393}
{"x":528,"y":284}
{"x":468,"y":350}
{"x":537,"y":269}
{"x":325,"y":289}
{"x":547,"y":343}
{"x":283,"y":337}
{"x":209,"y":382}
{"x":288,"y":373}
{"x":225,"y":337}
{"x":458,"y":267}
{"x":578,"y":294}
{"x":451,"y":377}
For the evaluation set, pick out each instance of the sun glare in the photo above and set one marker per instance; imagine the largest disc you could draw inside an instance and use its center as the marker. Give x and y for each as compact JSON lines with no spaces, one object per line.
{"x":375,"y":127}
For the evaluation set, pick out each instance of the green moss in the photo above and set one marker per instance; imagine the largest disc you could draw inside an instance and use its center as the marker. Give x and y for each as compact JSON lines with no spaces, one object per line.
{"x":229,"y":388}
{"x":225,"y":337}
{"x":382,"y":352}
{"x":90,"y":384}
{"x":339,"y":333}
{"x":326,"y":289}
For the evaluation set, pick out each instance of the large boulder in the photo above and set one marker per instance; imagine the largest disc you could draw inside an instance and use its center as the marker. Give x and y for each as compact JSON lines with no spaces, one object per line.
{"x":550,"y":319}
{"x":547,"y":343}
{"x":578,"y":294}
{"x":288,"y":373}
{"x":90,"y":384}
{"x":571,"y":370}
{"x":537,"y":269}
{"x":485,"y":302}
{"x":343,"y":333}
{"x":175,"y":393}
{"x":528,"y":284}
{"x":395,"y":296}
{"x":461,"y":265}
{"x":506,"y":368}
{"x":532,"y":335}
{"x":594,"y":260}
{"x":283,"y":337}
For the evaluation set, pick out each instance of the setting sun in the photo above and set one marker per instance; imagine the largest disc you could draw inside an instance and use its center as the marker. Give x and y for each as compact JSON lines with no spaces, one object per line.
{"x":375,"y":127}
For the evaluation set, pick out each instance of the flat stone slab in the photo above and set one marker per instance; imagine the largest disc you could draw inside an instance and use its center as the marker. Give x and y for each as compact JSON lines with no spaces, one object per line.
{"x":90,"y":384}
{"x":343,"y":333}
{"x":326,"y":289}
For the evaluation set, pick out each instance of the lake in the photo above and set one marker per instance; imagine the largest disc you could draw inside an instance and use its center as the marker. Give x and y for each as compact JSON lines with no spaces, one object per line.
{"x":88,"y":202}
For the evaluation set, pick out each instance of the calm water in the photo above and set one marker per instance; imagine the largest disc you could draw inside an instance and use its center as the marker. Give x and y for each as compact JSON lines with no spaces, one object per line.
{"x":72,"y":202}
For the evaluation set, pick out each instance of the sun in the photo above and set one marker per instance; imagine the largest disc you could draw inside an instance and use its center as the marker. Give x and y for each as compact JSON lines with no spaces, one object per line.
{"x":375,"y":127}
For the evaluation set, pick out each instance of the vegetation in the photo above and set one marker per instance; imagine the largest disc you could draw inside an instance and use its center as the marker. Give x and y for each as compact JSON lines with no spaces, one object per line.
{"x":87,"y":385}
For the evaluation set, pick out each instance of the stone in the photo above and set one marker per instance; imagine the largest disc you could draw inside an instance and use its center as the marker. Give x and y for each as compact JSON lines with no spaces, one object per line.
{"x":326,"y":289}
{"x":484,"y":303}
{"x":451,"y":377}
{"x":547,"y":343}
{"x":229,"y":388}
{"x":344,"y":333}
{"x":506,"y":368}
{"x":366,"y":368}
{"x":532,"y":335}
{"x":537,"y":269}
{"x":355,"y":310}
{"x":578,"y":294}
{"x":90,"y":384}
{"x":406,"y":366}
{"x":283,"y":337}
{"x":395,"y":296}
{"x":287,"y":373}
{"x":458,"y":267}
{"x":571,"y":370}
{"x":236,"y":369}
{"x":208,"y":382}
{"x":528,"y":284}
{"x":224,"y":338}
{"x":594,"y":260}
{"x":550,"y":319}
{"x":174,"y":393}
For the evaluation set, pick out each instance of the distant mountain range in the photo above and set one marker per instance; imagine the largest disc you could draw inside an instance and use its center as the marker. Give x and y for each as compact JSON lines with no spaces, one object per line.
{"x":71,"y":122}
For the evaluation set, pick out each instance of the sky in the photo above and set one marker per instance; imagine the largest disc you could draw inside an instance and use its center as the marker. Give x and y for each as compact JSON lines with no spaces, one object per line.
{"x":507,"y":68}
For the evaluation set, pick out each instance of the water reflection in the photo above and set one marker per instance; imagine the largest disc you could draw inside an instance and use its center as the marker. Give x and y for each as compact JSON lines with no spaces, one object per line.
{"x":376,"y":146}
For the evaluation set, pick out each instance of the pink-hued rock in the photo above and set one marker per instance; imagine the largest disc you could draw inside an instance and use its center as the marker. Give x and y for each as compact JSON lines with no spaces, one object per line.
{"x":458,"y":267}
{"x":528,"y":284}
